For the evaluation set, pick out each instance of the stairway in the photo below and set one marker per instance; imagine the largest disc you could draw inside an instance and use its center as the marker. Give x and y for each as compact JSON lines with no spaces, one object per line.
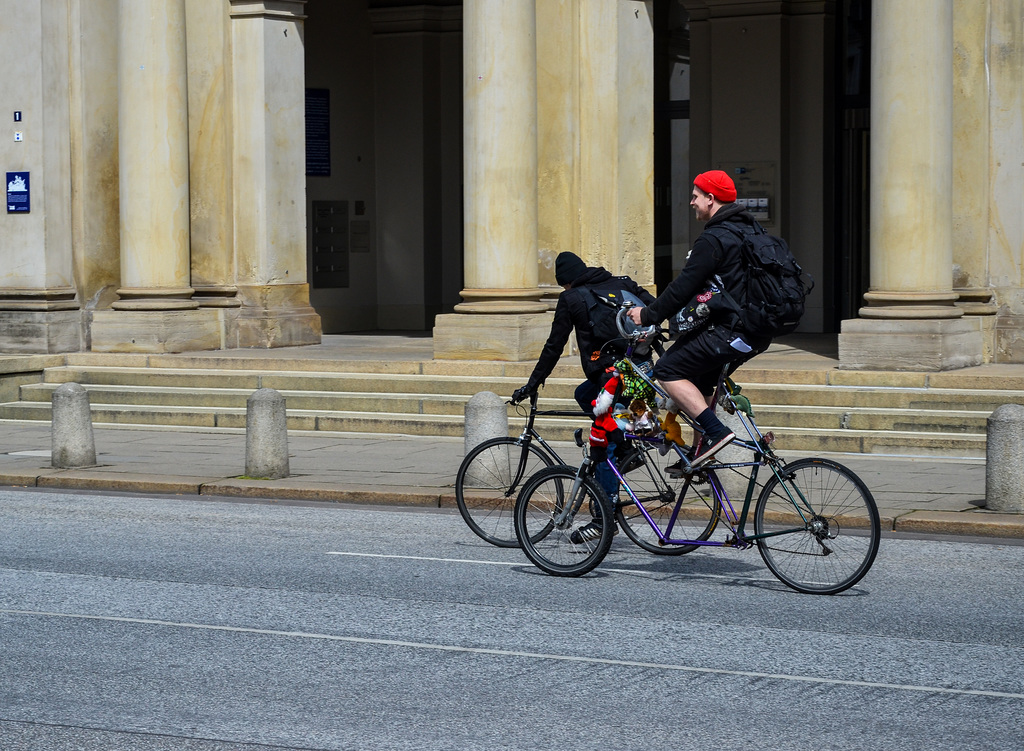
{"x":809,"y":410}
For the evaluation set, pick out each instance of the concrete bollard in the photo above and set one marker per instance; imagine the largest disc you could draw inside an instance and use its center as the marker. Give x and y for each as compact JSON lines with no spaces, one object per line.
{"x":486,"y":417}
{"x":1004,"y":466}
{"x":266,"y":436}
{"x":71,"y":439}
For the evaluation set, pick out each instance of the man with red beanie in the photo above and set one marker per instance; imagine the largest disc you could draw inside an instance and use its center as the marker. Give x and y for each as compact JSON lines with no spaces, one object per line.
{"x":689,"y":370}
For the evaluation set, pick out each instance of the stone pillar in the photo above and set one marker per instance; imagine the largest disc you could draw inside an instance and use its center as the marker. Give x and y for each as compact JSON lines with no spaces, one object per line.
{"x":634,"y":128}
{"x":1005,"y":61}
{"x":153,"y":163}
{"x":971,"y":136}
{"x":38,"y":309}
{"x":1004,"y":459}
{"x":910,"y":321}
{"x":71,"y":438}
{"x":208,"y":40}
{"x":558,"y":136}
{"x":154,"y":312}
{"x":595,"y":124}
{"x":501,"y":316}
{"x":269,"y":174}
{"x":266,"y":435}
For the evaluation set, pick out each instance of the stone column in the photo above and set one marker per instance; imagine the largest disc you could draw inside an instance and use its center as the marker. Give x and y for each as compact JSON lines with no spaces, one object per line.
{"x":501,"y":317}
{"x":634,"y":237}
{"x":971,"y":143}
{"x":595,"y":135}
{"x":1005,"y":61}
{"x":38,"y":309}
{"x":153,"y":163}
{"x":558,"y":138}
{"x":208,"y":33}
{"x":910,"y":321}
{"x":154,"y":312}
{"x":269,"y":174}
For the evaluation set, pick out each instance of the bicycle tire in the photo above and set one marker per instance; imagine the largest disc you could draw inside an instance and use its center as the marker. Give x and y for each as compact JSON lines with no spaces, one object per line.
{"x":549,"y":546}
{"x":483,"y":487}
{"x":698,"y":515}
{"x":834,"y":548}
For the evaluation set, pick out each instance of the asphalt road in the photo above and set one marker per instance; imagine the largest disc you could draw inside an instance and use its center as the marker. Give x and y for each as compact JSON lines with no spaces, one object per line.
{"x":173,"y":623}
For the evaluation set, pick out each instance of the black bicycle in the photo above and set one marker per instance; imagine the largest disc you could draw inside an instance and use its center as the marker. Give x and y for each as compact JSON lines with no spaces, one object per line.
{"x":492,"y":473}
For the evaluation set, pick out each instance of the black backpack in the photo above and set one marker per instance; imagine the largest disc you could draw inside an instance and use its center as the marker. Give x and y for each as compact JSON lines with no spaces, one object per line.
{"x":603,"y":302}
{"x":775,"y":289}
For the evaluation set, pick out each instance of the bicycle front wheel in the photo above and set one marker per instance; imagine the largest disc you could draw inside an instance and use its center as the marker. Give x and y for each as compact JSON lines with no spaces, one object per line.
{"x":658,"y":494}
{"x":823,"y":524}
{"x":565,"y":527}
{"x":487,"y":483}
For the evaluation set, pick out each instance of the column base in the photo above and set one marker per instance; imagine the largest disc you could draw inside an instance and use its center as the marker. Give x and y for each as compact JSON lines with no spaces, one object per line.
{"x":1009,"y":339}
{"x":277,"y":315}
{"x":40,"y":331}
{"x":482,"y":336}
{"x":915,"y":344}
{"x":156,"y":331}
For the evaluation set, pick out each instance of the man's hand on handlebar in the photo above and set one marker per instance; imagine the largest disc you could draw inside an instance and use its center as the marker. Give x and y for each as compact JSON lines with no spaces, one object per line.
{"x":522,"y":393}
{"x":634,"y":315}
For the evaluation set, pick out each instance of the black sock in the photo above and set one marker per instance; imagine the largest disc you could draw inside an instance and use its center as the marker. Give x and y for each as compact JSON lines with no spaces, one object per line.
{"x":713,"y":427}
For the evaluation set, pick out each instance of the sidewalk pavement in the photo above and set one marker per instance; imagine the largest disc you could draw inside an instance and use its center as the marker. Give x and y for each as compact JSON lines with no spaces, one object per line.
{"x":921,"y":494}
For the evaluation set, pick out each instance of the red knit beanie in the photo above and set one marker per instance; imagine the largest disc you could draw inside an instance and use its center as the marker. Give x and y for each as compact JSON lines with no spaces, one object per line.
{"x":719,"y":184}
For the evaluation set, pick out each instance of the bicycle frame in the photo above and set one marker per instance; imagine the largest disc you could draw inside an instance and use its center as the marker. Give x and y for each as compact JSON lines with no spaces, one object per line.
{"x":529,"y":434}
{"x":756,"y":442}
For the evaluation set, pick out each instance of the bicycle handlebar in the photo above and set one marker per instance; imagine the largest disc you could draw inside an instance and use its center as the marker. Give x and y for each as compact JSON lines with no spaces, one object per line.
{"x":638,"y":333}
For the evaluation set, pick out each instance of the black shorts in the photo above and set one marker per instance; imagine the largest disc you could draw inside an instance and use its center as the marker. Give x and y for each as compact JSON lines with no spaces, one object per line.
{"x":699,"y":358}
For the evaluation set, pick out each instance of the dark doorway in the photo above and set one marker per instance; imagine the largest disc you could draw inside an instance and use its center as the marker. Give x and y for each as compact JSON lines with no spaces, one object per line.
{"x":671,"y":139}
{"x":853,"y":95}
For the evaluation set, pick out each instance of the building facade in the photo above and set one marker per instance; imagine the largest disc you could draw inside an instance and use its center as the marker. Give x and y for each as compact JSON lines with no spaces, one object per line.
{"x":200,"y":174}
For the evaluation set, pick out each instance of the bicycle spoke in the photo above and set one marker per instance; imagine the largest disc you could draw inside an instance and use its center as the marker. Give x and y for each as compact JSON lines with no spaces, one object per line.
{"x":484,"y":489}
{"x":551,"y":518}
{"x":833,"y":527}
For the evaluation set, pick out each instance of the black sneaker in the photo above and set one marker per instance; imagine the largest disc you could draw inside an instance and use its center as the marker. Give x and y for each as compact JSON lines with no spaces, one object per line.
{"x":711,"y":447}
{"x":675,"y":471}
{"x":588,"y":532}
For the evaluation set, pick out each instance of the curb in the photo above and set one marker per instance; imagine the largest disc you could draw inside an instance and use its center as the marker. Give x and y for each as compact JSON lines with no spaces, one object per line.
{"x":955,"y":523}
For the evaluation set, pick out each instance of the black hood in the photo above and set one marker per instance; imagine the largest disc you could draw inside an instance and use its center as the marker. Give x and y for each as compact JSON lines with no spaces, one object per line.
{"x":593,"y":275}
{"x":731,"y":212}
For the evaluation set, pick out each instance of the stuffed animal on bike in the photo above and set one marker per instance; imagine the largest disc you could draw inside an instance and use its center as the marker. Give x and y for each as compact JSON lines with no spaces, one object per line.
{"x":626,"y":387}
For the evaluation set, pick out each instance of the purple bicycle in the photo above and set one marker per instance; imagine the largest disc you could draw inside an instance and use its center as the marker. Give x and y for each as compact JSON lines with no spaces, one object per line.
{"x":814,"y":521}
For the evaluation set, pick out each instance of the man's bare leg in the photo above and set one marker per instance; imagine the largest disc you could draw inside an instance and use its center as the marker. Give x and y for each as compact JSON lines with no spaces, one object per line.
{"x":690,"y":400}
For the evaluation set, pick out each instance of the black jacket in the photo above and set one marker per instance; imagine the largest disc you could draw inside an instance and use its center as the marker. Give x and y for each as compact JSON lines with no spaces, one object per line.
{"x":572,"y":312}
{"x":715,"y":252}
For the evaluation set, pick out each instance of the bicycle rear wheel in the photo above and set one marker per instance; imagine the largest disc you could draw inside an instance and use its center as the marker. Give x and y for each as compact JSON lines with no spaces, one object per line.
{"x":828,"y":522}
{"x":487,"y":483}
{"x":657,"y":493}
{"x":549,"y":516}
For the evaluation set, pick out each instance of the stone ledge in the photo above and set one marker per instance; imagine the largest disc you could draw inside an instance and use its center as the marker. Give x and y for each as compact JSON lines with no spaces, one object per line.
{"x":979,"y":524}
{"x":293,"y":489}
{"x":73,"y":479}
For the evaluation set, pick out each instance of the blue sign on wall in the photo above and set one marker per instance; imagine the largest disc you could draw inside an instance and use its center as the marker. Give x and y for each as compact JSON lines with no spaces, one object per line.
{"x":18,"y":194}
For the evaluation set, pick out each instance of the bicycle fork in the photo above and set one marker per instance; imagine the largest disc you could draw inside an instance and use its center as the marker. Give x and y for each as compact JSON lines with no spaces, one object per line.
{"x":563,"y":519}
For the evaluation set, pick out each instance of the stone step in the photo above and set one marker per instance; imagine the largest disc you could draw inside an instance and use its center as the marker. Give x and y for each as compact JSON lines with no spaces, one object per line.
{"x":779,"y":415}
{"x":792,"y":437}
{"x":852,"y":396}
{"x":464,"y":385}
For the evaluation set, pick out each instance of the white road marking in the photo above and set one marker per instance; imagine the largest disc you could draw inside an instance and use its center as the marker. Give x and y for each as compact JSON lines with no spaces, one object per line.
{"x":522,"y":655}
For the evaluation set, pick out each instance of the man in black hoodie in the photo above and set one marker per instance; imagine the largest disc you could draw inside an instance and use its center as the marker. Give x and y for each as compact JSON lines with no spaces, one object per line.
{"x":689,"y":370}
{"x":576,"y":309}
